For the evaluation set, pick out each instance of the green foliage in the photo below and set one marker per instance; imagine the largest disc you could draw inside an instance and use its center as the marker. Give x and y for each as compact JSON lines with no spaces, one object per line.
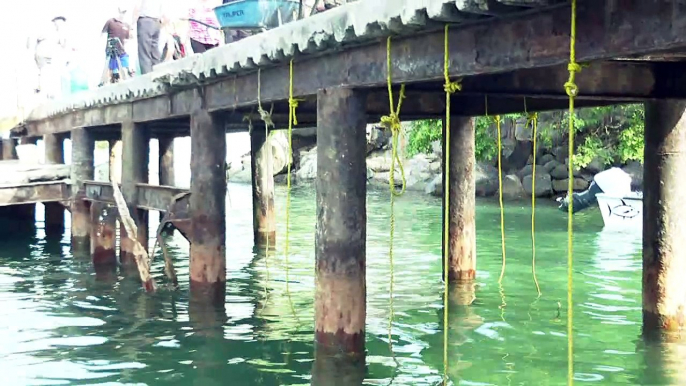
{"x":592,"y":148}
{"x":422,"y":134}
{"x":630,"y":147}
{"x":614,"y":134}
{"x":486,"y":142}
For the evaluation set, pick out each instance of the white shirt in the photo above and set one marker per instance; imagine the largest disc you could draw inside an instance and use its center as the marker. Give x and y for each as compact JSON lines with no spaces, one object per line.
{"x":151,"y":8}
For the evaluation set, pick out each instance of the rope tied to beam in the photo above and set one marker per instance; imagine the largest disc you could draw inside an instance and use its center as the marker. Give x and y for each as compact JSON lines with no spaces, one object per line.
{"x":264,"y":115}
{"x":392,"y":122}
{"x":292,"y":120}
{"x":572,"y":91}
{"x":450,"y":87}
{"x":532,"y":120}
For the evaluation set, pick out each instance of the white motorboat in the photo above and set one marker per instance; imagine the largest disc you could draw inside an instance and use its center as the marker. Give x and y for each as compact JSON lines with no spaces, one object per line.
{"x":625,"y":211}
{"x":611,"y":189}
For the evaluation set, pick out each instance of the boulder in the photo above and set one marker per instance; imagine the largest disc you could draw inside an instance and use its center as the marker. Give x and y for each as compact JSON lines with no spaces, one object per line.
{"x":486,"y":178}
{"x":635,"y":170}
{"x":379,"y":161}
{"x":308,"y":166}
{"x":560,"y":186}
{"x":526,"y":171}
{"x":560,"y":172}
{"x":279,"y":148}
{"x":377,"y":138}
{"x":437,"y":149}
{"x":512,"y":187}
{"x":545,"y":159}
{"x":551,"y":165}
{"x":597,"y":165}
{"x":435,"y":187}
{"x":543,"y":187}
{"x":435,"y":167}
{"x":418,"y":172}
{"x":561,"y":153}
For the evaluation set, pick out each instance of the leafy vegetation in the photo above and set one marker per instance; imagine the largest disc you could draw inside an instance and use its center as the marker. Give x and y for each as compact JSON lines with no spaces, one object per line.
{"x":612,"y":135}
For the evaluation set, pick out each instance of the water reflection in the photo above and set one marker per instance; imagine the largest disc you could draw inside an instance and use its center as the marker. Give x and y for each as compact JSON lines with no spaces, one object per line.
{"x":63,"y":322}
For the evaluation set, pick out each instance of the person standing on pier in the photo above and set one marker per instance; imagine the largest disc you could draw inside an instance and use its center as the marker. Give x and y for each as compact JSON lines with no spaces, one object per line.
{"x":202,"y":37}
{"x":149,"y":16}
{"x":117,"y":31}
{"x":49,"y":49}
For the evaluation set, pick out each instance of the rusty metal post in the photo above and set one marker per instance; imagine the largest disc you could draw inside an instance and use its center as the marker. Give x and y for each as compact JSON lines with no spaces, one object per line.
{"x":208,"y":207}
{"x":664,"y":219}
{"x":82,"y":169}
{"x":135,"y":159}
{"x":103,"y":235}
{"x":54,"y":211}
{"x":264,"y":220}
{"x":340,"y":240}
{"x":9,"y":149}
{"x":462,"y":191}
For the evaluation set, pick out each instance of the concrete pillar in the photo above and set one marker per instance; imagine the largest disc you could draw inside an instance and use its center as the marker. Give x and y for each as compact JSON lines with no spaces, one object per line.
{"x":9,"y":149}
{"x":462,"y":192}
{"x":264,"y":220}
{"x":54,"y":211}
{"x":135,"y":159}
{"x":340,"y":239}
{"x":664,"y":219}
{"x":104,"y":223}
{"x":82,"y":169}
{"x":331,"y":368}
{"x":103,"y":235}
{"x":166,"y":161}
{"x":208,"y":208}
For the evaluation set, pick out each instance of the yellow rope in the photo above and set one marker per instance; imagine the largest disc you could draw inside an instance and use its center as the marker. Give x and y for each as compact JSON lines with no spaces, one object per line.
{"x":392,"y":122}
{"x":532,"y":119}
{"x":572,"y":91}
{"x":498,"y":124}
{"x":266,"y":118}
{"x":292,"y":120}
{"x":450,"y":88}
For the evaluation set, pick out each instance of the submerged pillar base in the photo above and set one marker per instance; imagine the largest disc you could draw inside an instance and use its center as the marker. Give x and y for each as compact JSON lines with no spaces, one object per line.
{"x":462,"y":192}
{"x":664,"y":221}
{"x":103,"y":235}
{"x":340,"y":239}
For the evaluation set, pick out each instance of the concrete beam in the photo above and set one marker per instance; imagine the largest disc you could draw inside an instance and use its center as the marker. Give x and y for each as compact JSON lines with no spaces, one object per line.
{"x":41,"y":192}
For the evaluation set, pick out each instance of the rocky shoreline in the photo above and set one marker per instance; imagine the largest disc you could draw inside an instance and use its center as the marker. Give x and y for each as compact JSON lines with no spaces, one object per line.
{"x":423,"y":172}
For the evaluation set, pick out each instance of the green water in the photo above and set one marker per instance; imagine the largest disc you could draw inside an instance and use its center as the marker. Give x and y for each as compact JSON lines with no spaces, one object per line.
{"x":61,"y":323}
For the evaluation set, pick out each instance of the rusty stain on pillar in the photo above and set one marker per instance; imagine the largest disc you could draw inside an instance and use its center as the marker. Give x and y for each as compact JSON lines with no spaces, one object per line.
{"x":54,"y":211}
{"x":82,"y":169}
{"x":208,"y":207}
{"x":340,"y":237}
{"x":664,"y":220}
{"x":103,"y":235}
{"x":135,"y":160}
{"x":462,"y":185}
{"x":264,"y":220}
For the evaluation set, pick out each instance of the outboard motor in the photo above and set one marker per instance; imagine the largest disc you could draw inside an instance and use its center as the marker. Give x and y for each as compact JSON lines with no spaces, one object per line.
{"x":612,"y":181}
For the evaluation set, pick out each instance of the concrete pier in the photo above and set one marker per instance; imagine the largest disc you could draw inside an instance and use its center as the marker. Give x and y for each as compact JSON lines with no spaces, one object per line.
{"x":462,"y":191}
{"x":208,"y":207}
{"x":82,"y":169}
{"x":135,"y":157}
{"x":664,"y":219}
{"x":54,"y":211}
{"x":340,"y":240}
{"x":264,"y":220}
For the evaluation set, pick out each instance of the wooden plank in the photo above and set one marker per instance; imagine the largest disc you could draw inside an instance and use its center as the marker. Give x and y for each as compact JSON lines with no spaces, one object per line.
{"x":154,"y":197}
{"x":150,"y":197}
{"x":34,"y":193}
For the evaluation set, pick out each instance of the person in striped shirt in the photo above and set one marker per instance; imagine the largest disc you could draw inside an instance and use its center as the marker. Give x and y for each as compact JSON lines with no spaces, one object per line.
{"x":202,"y":37}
